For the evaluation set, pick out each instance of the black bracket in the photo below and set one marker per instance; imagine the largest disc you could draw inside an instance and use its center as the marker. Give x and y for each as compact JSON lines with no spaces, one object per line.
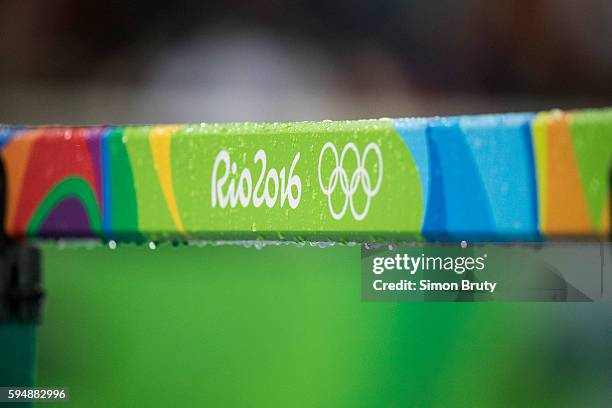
{"x":20,"y":292}
{"x":20,"y":273}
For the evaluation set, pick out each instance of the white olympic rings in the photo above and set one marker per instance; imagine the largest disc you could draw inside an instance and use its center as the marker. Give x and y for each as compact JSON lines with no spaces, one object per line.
{"x":349,"y":187}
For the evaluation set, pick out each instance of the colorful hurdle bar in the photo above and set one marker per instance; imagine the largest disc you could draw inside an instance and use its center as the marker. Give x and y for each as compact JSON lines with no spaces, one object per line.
{"x":514,"y":177}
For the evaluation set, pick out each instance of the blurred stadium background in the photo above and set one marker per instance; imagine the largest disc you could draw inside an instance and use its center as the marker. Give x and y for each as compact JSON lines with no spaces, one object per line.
{"x":188,"y":61}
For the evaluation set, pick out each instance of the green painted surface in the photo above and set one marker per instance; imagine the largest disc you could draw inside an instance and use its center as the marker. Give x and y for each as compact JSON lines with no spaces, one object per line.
{"x":153,"y":212}
{"x":592,"y":142}
{"x":299,"y":147}
{"x":124,"y":211}
{"x":285,"y":326}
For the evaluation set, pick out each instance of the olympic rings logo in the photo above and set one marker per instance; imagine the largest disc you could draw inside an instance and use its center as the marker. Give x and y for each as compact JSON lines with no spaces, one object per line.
{"x":339,"y":177}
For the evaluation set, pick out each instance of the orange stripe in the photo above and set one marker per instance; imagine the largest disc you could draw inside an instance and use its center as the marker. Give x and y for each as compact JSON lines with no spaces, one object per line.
{"x":567,"y":213}
{"x":15,"y":155}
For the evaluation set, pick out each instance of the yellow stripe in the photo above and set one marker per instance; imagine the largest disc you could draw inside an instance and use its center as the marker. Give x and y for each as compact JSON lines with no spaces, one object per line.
{"x":160,"y":139}
{"x":539,"y":130}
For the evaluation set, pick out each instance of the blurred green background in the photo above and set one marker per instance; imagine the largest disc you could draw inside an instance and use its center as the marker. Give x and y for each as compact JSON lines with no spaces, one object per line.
{"x":285,"y":326}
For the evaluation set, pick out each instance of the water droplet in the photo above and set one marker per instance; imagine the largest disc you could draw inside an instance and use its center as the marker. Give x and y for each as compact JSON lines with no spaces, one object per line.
{"x":61,"y":244}
{"x":326,"y":244}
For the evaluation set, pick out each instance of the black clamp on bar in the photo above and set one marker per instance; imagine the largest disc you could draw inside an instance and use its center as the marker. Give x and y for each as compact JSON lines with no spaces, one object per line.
{"x":20,"y":274}
{"x":20,"y":292}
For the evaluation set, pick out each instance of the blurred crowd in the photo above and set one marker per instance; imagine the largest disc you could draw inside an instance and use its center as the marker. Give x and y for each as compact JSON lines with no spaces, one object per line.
{"x":152,"y":60}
